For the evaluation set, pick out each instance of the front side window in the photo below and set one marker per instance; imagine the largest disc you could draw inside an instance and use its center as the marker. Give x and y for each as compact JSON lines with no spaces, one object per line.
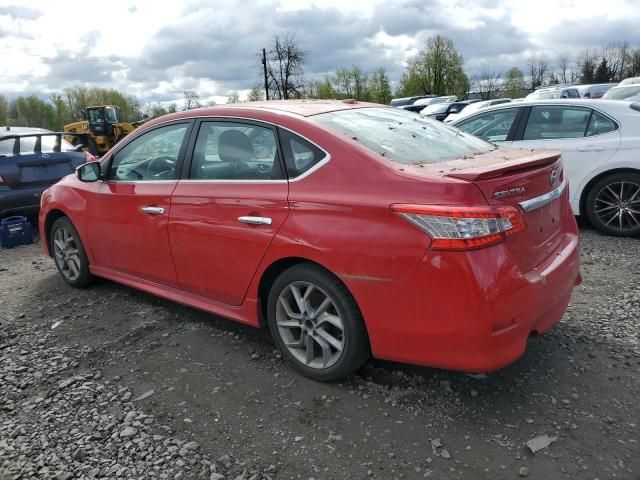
{"x":151,"y":156}
{"x":553,"y":122}
{"x":235,"y":151}
{"x":492,"y":126}
{"x":402,"y":136}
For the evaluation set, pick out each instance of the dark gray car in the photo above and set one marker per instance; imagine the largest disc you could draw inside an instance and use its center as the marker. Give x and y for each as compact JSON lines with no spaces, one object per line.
{"x":31,"y":159}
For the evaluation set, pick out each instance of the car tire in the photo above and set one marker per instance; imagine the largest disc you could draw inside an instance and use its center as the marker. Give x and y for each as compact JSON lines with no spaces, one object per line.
{"x":613,"y":204}
{"x":69,"y":254}
{"x":329,"y":341}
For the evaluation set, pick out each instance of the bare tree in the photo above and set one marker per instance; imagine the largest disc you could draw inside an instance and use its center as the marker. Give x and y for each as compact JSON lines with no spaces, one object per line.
{"x":563,"y":61}
{"x":538,"y":68}
{"x":191,"y":100}
{"x":487,"y":82}
{"x":285,"y":61}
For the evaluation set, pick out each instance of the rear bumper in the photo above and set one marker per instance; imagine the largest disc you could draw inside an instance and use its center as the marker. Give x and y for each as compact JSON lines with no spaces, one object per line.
{"x":20,"y":201}
{"x":471,"y":311}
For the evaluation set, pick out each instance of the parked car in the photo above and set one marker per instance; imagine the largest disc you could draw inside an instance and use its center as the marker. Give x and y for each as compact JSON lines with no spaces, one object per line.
{"x":398,"y":102}
{"x":557,"y":91}
{"x":630,"y":81}
{"x":596,"y":90}
{"x":622,"y":92}
{"x":474,"y":107}
{"x":600,"y":148}
{"x":351,"y":229}
{"x":440,"y":111}
{"x":31,"y":159}
{"x":430,"y":101}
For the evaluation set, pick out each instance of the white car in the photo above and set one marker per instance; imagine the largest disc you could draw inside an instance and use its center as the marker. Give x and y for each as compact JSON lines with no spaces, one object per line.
{"x":600,"y":144}
{"x":474,"y":107}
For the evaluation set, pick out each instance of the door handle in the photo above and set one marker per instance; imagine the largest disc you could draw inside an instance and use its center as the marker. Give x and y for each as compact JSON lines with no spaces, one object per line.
{"x":591,"y":148}
{"x":255,"y":220}
{"x":153,"y":210}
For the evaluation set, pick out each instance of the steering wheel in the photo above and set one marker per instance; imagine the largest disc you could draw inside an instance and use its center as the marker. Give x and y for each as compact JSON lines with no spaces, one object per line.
{"x":162,"y":167}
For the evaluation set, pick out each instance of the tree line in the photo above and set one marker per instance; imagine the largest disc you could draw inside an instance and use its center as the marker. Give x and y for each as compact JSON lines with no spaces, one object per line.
{"x":436,"y":69}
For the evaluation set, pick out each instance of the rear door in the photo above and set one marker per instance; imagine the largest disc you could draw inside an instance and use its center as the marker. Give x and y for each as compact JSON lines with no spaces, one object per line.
{"x":227,"y":208}
{"x":587,"y":138}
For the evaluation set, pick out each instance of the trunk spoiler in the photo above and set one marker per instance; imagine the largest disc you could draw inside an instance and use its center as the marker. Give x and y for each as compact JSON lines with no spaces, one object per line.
{"x":496,"y":170}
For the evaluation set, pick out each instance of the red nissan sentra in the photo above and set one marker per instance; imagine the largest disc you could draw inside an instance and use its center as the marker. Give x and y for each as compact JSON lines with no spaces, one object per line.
{"x":351,"y":229}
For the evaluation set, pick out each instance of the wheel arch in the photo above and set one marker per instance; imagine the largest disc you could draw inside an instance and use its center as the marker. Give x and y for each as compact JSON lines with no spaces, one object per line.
{"x":50,"y":219}
{"x":587,"y":188}
{"x":272,"y":272}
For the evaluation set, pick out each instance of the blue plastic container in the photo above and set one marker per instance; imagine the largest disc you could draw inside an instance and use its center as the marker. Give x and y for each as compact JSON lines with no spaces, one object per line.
{"x":15,"y":231}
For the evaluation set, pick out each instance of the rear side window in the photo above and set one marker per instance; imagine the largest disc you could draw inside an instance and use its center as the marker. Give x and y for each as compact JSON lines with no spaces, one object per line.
{"x":300,"y":155}
{"x":6,"y":147}
{"x":493,"y":126}
{"x":600,"y":124}
{"x":553,"y":122}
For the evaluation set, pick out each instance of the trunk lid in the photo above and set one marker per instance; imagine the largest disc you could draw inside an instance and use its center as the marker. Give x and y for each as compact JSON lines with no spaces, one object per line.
{"x":514,"y":181}
{"x":511,"y":177}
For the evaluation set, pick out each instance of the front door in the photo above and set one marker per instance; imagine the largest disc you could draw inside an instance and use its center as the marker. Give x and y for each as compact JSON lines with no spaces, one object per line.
{"x":227,"y":210}
{"x":129,"y":211}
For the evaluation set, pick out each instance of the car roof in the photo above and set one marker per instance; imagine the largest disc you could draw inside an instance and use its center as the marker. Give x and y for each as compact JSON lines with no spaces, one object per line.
{"x":12,"y":131}
{"x":599,"y":104}
{"x":305,"y":108}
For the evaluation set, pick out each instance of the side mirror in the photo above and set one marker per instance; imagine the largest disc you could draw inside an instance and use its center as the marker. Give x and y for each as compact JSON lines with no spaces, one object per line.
{"x":89,"y":172}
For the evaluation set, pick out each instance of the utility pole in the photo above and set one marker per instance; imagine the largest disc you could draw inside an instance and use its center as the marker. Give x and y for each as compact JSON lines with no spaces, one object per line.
{"x":266,"y":79}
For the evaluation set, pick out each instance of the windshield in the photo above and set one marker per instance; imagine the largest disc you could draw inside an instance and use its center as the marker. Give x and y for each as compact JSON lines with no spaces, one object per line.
{"x":620,"y":93}
{"x":435,"y":108}
{"x":403,"y":136}
{"x":543,"y":95}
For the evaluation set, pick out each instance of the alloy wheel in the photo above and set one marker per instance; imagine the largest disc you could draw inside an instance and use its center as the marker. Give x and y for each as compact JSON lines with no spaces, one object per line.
{"x":65,"y":249}
{"x":617,"y":205}
{"x":310,"y":325}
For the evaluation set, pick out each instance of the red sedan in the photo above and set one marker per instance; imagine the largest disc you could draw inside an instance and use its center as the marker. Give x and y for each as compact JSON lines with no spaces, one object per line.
{"x":351,"y":229}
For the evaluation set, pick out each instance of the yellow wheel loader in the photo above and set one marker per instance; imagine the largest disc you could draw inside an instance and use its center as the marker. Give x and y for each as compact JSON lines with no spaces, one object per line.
{"x":100,"y":130}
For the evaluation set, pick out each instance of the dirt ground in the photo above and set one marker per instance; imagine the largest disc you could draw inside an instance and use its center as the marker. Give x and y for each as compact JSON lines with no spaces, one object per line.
{"x":221,"y":403}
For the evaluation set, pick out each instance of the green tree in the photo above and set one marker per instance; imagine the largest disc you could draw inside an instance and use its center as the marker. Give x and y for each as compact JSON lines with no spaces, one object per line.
{"x":4,"y":110}
{"x":436,"y":69}
{"x":61,"y":114}
{"x":255,"y":95}
{"x":514,"y":84}
{"x":79,"y":98}
{"x":33,"y":112}
{"x":602,"y":73}
{"x":379,"y":87}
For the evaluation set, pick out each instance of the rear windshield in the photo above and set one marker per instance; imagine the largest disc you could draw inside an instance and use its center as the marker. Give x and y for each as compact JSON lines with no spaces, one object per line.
{"x":403,"y":136}
{"x":620,"y":93}
{"x":28,"y":143}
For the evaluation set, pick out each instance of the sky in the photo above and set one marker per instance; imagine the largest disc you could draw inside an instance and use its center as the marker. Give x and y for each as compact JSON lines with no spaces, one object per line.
{"x":155,"y":50}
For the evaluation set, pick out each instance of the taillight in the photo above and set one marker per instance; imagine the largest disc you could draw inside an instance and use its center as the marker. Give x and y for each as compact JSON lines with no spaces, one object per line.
{"x":3,"y":184}
{"x":463,"y":228}
{"x":88,"y":157}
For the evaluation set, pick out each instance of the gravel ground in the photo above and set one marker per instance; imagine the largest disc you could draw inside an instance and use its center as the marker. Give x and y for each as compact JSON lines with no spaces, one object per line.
{"x":109,"y":382}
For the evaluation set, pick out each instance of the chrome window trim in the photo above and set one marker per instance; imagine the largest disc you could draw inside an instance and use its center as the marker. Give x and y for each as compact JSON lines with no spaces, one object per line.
{"x":545,"y":199}
{"x":318,"y":165}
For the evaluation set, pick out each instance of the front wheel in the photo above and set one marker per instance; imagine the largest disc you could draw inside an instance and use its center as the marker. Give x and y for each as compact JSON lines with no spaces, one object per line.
{"x":69,"y":255}
{"x":316,"y":323}
{"x":613,"y":204}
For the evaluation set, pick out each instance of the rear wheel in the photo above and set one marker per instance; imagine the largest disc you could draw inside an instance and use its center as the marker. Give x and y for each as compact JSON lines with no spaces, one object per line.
{"x":613,"y":204}
{"x":316,"y":323}
{"x":69,"y":255}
